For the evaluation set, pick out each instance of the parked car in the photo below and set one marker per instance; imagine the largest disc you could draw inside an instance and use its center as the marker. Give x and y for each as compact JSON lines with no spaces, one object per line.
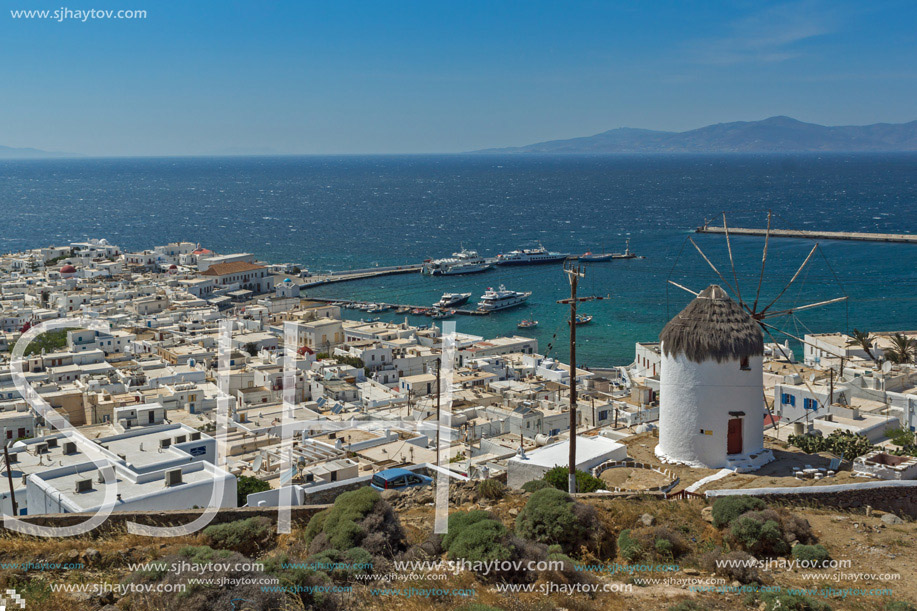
{"x":398,"y":479}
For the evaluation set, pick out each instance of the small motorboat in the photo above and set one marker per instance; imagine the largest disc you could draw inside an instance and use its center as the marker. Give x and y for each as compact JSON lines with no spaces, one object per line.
{"x":403,"y":310}
{"x":440,"y":314}
{"x":418,"y":311}
{"x":527,"y":324}
{"x":583,"y":319}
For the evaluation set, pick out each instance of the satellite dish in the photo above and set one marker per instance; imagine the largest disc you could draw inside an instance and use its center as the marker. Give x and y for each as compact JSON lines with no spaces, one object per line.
{"x":886,"y":366}
{"x":256,"y":464}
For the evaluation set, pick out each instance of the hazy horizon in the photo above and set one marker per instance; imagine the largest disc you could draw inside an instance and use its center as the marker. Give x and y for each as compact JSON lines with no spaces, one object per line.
{"x":414,"y":78}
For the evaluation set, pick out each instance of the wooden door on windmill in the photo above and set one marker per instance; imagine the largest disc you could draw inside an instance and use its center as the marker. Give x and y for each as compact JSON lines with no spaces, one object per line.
{"x":734,"y":436}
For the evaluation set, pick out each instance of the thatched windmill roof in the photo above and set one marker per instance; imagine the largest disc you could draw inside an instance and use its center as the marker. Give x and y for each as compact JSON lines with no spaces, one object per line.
{"x":712,"y":326}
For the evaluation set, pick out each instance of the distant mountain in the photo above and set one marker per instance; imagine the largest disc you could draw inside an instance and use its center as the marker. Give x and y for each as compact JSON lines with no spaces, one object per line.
{"x":7,"y":152}
{"x":776,"y":134}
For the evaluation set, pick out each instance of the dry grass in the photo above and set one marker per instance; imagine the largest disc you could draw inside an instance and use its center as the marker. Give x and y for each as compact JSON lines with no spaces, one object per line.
{"x":872,"y":546}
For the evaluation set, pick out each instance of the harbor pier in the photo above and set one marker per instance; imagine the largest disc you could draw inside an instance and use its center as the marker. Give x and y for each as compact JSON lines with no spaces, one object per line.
{"x":816,"y":235}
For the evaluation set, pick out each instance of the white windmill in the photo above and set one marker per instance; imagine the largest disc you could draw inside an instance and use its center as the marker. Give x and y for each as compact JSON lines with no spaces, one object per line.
{"x":711,"y":410}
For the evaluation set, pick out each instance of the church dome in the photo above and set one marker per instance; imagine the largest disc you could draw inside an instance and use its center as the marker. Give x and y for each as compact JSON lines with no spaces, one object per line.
{"x":712,"y":327}
{"x":68,"y":269}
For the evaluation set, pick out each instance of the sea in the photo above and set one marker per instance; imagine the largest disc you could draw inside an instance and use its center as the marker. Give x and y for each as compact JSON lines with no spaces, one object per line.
{"x":349,"y":212}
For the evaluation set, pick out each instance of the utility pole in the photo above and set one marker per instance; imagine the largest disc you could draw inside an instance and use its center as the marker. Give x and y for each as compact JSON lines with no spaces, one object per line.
{"x":9,"y":476}
{"x":438,"y":393}
{"x":574,"y":273}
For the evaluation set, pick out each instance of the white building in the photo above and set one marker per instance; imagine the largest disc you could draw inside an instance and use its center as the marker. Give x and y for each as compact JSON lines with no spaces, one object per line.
{"x":711,"y":411}
{"x":88,"y":339}
{"x":240,"y":274}
{"x":590,"y":452}
{"x":320,"y":335}
{"x":170,"y":466}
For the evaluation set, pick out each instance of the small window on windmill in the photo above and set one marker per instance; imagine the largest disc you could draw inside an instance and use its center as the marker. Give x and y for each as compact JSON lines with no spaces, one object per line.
{"x":173,"y":477}
{"x":743,"y":365}
{"x":69,"y":447}
{"x":83,"y":485}
{"x":164,"y":443}
{"x":195,"y":436}
{"x":52,"y":443}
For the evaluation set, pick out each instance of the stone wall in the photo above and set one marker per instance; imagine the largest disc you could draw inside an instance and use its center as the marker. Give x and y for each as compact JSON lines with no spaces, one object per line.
{"x":671,"y":479}
{"x":898,"y":497}
{"x":118,"y":520}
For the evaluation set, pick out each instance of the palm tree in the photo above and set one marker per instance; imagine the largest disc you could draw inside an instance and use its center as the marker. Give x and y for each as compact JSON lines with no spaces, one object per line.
{"x":864,"y":341}
{"x":903,"y":350}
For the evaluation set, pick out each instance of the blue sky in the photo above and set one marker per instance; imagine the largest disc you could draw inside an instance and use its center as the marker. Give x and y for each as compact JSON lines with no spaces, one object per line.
{"x":201,"y":77}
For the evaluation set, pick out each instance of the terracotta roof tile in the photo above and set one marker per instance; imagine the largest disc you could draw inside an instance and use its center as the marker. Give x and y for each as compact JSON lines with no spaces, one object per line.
{"x":233,"y":267}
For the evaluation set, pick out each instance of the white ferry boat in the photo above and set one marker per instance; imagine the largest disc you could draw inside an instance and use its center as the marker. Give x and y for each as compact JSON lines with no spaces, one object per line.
{"x":531,"y":256}
{"x":450,"y":300}
{"x":501,"y":299}
{"x":462,"y":262}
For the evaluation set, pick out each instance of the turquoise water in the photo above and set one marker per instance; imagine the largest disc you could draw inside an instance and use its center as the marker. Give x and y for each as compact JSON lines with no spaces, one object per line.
{"x":349,"y":212}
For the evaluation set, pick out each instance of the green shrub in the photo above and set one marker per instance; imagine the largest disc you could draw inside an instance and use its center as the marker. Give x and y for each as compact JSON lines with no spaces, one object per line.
{"x":481,"y":541}
{"x":850,"y":445}
{"x":155,"y":571}
{"x":585,"y":482}
{"x":728,"y":508}
{"x":899,"y":605}
{"x":340,"y":524}
{"x":243,"y":536}
{"x":344,"y":535}
{"x":629,"y":547}
{"x":315,"y":525}
{"x":308,"y":584}
{"x":476,"y":536}
{"x":663,"y":547}
{"x":477,"y":607}
{"x":49,"y":341}
{"x":551,"y":516}
{"x":460,"y":520}
{"x":491,"y":489}
{"x":535,"y":485}
{"x":359,"y":518}
{"x":757,"y":537}
{"x":202,"y":554}
{"x":351,"y":506}
{"x":815,"y":554}
{"x":245,"y":485}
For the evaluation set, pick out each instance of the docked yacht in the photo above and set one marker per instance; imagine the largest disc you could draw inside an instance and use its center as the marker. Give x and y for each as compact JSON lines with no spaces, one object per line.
{"x":531,"y":256}
{"x":501,"y":299}
{"x":450,"y":300}
{"x":462,"y":262}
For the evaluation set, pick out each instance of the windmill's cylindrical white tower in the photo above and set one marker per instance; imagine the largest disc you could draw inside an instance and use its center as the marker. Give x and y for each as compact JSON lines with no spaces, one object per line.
{"x":711,"y":404}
